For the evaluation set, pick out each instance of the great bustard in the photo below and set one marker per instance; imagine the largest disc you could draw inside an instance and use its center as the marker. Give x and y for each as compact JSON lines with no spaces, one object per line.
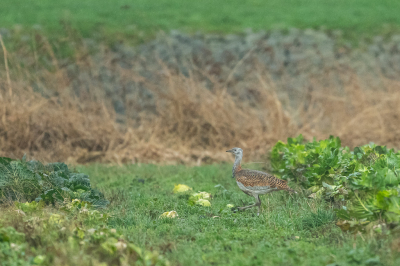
{"x":253,"y":182}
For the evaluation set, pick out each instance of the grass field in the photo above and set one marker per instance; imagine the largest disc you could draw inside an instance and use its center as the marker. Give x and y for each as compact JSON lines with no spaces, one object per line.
{"x":292,"y":229}
{"x":144,"y":17}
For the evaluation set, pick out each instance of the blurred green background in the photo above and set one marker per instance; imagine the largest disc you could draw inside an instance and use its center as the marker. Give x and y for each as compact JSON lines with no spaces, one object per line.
{"x":355,"y":18}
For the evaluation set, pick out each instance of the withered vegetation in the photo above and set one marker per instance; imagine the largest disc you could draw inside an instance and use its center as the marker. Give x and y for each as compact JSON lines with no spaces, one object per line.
{"x":193,"y":117}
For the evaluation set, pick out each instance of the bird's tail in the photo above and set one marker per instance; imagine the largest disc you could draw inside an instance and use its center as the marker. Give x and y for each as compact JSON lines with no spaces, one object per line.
{"x":283,"y":184}
{"x":287,"y":188}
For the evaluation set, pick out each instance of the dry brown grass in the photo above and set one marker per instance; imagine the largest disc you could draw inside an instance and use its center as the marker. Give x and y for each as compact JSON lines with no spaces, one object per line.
{"x":193,"y":124}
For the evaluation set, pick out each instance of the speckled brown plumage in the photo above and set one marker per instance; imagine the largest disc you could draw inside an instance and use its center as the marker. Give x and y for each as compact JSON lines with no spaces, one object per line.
{"x":253,"y":182}
{"x":254,"y":178}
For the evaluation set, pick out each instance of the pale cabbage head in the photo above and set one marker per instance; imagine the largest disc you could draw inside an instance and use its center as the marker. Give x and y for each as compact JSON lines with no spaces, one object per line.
{"x":170,"y":214}
{"x":181,"y":188}
{"x":203,"y":202}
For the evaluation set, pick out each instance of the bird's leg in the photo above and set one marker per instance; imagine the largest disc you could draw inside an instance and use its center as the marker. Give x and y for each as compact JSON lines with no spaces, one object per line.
{"x":242,"y":202}
{"x":246,"y":207}
{"x":258,"y":203}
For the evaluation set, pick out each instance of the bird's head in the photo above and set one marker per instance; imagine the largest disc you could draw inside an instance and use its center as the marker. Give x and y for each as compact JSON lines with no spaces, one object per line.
{"x":236,"y":151}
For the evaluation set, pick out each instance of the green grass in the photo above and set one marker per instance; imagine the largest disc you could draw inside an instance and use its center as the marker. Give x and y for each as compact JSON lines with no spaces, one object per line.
{"x":292,"y":229}
{"x":130,"y":18}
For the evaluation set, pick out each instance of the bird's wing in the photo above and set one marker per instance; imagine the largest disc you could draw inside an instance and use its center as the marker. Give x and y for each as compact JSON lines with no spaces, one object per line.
{"x":254,"y":178}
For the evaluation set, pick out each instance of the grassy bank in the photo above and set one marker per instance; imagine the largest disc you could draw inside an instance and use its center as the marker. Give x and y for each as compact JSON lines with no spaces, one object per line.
{"x":144,"y":17}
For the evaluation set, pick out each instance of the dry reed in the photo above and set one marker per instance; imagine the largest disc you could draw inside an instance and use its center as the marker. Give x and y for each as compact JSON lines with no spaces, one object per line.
{"x":192,"y":123}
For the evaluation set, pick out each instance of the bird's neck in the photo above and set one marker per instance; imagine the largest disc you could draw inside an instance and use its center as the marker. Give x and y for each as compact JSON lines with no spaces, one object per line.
{"x":236,"y":166}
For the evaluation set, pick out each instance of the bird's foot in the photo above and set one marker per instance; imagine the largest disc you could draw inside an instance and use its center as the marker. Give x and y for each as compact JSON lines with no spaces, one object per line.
{"x":245,"y":207}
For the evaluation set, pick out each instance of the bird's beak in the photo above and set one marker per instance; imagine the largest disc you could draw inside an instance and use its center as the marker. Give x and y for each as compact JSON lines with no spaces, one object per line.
{"x":229,"y":150}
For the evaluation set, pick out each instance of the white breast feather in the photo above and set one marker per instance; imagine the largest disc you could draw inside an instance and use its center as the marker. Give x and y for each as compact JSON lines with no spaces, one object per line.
{"x":256,"y":190}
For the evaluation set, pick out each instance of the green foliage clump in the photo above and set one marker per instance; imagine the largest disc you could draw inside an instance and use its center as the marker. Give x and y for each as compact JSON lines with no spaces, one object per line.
{"x":366,"y":179}
{"x":32,"y":181}
{"x":316,"y":219}
{"x":312,"y":163}
{"x":75,"y":227}
{"x":111,"y":244}
{"x":12,"y":246}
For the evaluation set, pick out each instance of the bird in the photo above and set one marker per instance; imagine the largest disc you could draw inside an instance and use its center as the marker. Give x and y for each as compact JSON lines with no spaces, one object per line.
{"x":255,"y":183}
